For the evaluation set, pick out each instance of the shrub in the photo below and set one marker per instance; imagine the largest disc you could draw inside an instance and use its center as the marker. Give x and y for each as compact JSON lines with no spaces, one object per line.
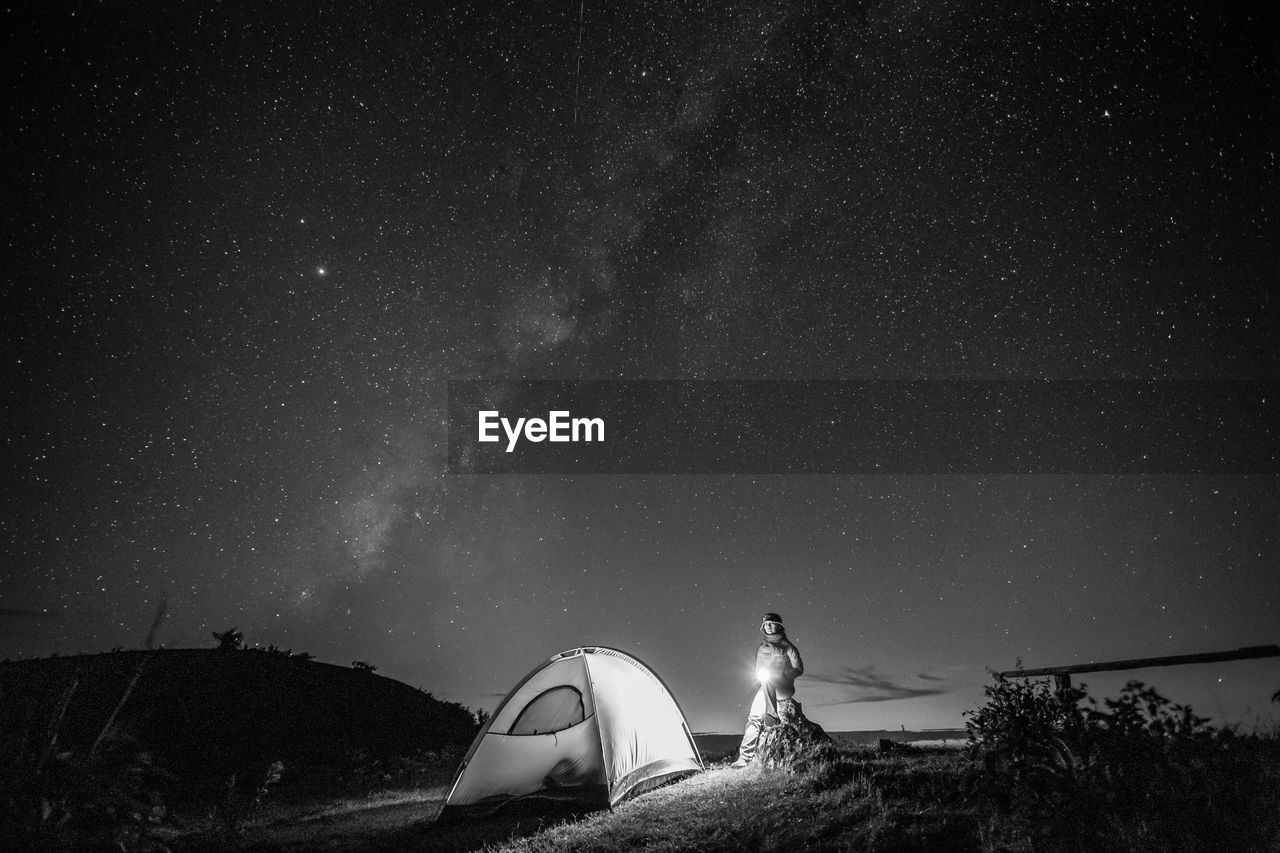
{"x":240,"y":801}
{"x":1070,"y":775}
{"x":71,"y":801}
{"x":229,"y":640}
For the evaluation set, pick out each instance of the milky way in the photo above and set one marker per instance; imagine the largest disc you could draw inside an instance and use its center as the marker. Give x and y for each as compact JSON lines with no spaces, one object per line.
{"x":248,"y":247}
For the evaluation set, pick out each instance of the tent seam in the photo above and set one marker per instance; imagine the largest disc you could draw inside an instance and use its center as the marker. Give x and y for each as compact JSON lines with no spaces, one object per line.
{"x":605,"y":760}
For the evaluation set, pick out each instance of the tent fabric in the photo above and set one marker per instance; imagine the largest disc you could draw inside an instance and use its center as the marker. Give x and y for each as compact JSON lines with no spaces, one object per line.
{"x":592,"y":724}
{"x":551,"y":711}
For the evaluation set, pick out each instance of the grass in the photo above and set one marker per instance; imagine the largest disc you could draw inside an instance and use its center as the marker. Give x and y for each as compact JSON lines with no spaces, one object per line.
{"x":849,"y":799}
{"x":351,"y":823}
{"x":861,"y":802}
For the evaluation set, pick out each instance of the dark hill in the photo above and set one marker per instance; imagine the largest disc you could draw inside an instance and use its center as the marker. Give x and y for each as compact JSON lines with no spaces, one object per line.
{"x":206,"y":713}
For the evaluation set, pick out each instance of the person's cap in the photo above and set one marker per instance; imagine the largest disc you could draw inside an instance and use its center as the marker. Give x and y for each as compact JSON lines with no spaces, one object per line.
{"x":772,"y":624}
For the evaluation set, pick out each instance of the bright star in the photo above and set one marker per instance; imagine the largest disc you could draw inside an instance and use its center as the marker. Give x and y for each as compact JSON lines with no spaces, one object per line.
{"x":320,"y":270}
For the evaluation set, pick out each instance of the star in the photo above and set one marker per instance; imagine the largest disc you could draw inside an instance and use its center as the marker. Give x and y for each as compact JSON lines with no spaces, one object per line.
{"x":812,"y":173}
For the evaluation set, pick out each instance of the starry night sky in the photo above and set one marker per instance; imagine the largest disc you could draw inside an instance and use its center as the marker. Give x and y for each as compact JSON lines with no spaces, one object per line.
{"x":248,"y":244}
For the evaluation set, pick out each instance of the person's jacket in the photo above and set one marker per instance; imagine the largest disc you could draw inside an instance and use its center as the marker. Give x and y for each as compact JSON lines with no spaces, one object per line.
{"x":782,"y":661}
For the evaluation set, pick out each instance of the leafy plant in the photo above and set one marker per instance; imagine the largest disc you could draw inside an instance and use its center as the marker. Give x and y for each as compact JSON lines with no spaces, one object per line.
{"x":239,"y":802}
{"x":53,"y":798}
{"x":229,"y":640}
{"x":1069,"y":774}
{"x":80,"y":802}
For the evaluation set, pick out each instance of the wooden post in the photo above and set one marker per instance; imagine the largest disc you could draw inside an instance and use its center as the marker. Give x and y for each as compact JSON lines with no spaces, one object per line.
{"x":1062,"y":674}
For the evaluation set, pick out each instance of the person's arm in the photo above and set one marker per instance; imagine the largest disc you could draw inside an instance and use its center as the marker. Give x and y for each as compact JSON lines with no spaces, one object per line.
{"x":793,"y":657}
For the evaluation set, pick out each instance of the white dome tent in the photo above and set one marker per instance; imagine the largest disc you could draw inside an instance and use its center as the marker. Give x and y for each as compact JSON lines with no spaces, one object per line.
{"x":591,"y":724}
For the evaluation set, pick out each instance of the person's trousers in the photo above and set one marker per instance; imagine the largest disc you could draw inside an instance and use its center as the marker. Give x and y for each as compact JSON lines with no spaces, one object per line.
{"x":759,"y":718}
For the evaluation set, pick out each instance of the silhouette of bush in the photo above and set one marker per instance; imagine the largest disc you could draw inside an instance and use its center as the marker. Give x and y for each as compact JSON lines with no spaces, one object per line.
{"x":1071,"y":775}
{"x":243,"y":795}
{"x":229,"y":640}
{"x":76,"y":802}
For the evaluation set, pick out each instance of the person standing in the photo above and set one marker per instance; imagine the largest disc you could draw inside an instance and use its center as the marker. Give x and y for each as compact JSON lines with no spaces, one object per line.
{"x":778,"y":665}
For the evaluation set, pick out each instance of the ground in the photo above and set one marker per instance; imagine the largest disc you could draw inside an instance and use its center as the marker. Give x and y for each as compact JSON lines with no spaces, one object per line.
{"x":899,"y":802}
